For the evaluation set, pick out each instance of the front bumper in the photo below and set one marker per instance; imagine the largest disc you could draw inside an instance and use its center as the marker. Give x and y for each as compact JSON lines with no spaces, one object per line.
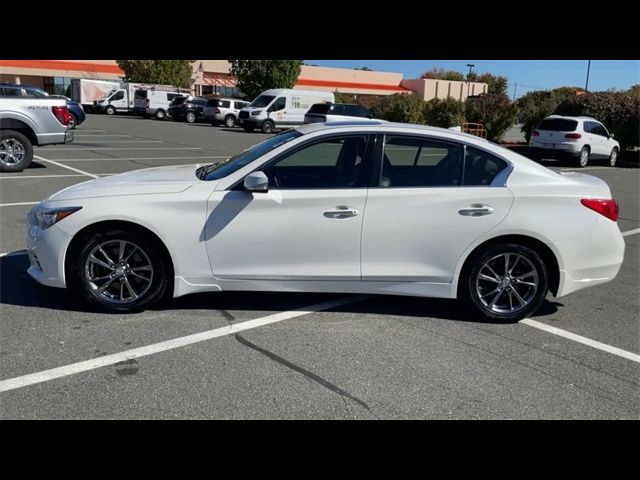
{"x":253,"y":122}
{"x":46,"y":250}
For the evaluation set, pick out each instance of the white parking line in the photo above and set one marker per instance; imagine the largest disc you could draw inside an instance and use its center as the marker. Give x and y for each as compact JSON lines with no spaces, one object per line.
{"x":631,"y":232}
{"x":135,"y":158}
{"x":584,"y":340}
{"x":47,"y":375}
{"x":115,"y":148}
{"x":101,"y":135}
{"x":73,"y":169}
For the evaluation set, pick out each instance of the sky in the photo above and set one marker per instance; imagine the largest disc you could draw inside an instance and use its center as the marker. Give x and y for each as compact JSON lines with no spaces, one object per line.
{"x":527,"y":74}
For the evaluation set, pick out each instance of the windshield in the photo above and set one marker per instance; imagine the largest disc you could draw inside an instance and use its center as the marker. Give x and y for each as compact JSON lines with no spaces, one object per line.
{"x":262,"y":101}
{"x":217,"y":171}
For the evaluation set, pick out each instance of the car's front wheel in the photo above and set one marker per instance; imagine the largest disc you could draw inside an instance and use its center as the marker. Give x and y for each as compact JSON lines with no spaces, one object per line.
{"x":506,"y":282}
{"x":119,"y":270}
{"x":191,"y":117}
{"x":110,"y":110}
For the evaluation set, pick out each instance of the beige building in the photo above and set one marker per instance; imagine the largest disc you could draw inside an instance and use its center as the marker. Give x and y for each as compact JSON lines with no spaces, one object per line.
{"x":214,"y":77}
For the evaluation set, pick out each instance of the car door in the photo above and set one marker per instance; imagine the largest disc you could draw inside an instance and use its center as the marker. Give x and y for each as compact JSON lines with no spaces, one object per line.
{"x":278,"y":111}
{"x":601,"y":147}
{"x":118,"y":100}
{"x":307,"y":226}
{"x":429,"y":201}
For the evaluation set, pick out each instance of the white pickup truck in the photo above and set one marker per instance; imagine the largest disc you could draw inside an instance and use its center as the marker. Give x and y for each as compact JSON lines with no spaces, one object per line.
{"x":26,"y":122}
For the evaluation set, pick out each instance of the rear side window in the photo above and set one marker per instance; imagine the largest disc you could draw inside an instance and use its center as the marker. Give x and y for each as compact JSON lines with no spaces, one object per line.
{"x":558,"y":125}
{"x":356,"y":111}
{"x":179,"y":100}
{"x":213,"y":102}
{"x":171,"y":96}
{"x":224,"y":104}
{"x":416,"y":162}
{"x":480,"y":167}
{"x":240,"y":105}
{"x":319,"y":108}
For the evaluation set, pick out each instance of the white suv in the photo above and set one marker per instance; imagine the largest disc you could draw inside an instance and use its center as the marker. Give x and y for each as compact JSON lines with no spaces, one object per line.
{"x":578,"y":138}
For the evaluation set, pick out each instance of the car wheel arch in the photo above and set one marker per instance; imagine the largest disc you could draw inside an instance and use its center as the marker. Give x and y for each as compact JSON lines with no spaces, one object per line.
{"x":548,"y":255}
{"x":19,"y":126}
{"x":122,"y":225}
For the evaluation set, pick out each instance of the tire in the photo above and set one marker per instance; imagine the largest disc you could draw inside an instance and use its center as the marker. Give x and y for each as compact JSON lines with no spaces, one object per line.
{"x":73,"y":121}
{"x":267,"y":126}
{"x":479,"y":293}
{"x":109,"y":110}
{"x":16,"y":151}
{"x":583,"y":158}
{"x":190,"y":117}
{"x":247,"y":128}
{"x":150,"y":292}
{"x":614,"y":157}
{"x":160,"y":114}
{"x":229,"y":121}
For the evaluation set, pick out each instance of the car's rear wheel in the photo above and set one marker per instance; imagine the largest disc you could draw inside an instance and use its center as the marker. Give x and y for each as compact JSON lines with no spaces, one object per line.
{"x":160,"y":115}
{"x":191,"y":117}
{"x":229,"y":121}
{"x":73,"y":121}
{"x":16,"y":151}
{"x":267,"y":126}
{"x":613,"y":157}
{"x":583,"y":158}
{"x":119,"y":270}
{"x":506,"y":282}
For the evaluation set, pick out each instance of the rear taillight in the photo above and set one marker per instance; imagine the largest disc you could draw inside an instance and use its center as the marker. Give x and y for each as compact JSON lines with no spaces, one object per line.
{"x":573,"y":136}
{"x":536,"y":133}
{"x":62,"y":114}
{"x":608,"y":208}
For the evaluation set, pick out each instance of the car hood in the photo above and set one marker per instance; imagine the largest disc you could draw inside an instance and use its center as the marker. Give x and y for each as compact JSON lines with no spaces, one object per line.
{"x":138,"y":182}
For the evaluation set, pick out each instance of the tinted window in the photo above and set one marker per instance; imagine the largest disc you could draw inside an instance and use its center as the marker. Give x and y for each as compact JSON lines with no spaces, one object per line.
{"x":12,"y":92}
{"x":179,"y":100}
{"x":171,"y":96}
{"x":558,"y":125}
{"x":240,"y":105}
{"x":213,"y":102}
{"x":332,"y":163}
{"x":140,"y":94}
{"x":35,"y":92}
{"x":224,"y":104}
{"x":320,"y":108}
{"x":414,"y":162}
{"x":598,"y":129}
{"x":117,"y":96}
{"x":222,"y":169}
{"x":262,"y":101}
{"x":480,"y":168}
{"x":279,"y":104}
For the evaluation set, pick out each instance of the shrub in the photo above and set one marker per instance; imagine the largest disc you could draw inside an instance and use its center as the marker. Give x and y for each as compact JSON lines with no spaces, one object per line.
{"x":493,"y":110}
{"x":619,"y":111}
{"x":444,"y":113}
{"x":400,"y":107}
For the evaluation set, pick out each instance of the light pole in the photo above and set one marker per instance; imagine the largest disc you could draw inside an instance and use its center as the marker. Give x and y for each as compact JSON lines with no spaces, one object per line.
{"x":470,"y":65}
{"x":586,"y":85}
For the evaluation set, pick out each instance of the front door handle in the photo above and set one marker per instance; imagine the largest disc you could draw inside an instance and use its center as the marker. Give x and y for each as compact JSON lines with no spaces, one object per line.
{"x":476,"y":210}
{"x":341,"y":211}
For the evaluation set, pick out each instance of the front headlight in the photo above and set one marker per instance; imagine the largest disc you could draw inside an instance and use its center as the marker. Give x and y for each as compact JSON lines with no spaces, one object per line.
{"x":51,"y":216}
{"x":256,"y":112}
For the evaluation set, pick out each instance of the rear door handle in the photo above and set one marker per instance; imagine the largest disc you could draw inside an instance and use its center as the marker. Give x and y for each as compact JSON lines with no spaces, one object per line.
{"x":341,"y":211}
{"x":476,"y":210}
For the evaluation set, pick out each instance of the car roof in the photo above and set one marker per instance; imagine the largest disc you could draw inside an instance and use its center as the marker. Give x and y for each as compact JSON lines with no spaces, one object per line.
{"x":383,"y":125}
{"x":568,"y":117}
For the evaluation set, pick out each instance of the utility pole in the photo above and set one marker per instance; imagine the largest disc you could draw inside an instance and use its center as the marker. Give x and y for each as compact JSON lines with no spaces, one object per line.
{"x":586,"y":85}
{"x":515,"y":88}
{"x":470,"y":65}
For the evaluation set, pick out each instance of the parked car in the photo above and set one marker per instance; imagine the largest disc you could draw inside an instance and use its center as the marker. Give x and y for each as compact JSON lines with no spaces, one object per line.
{"x":580,"y":139}
{"x":154,"y":103}
{"x":223,"y":110}
{"x":335,"y":112}
{"x":367,"y":207}
{"x":76,"y":112}
{"x":280,"y":108}
{"x":189,"y":108}
{"x":28,"y":121}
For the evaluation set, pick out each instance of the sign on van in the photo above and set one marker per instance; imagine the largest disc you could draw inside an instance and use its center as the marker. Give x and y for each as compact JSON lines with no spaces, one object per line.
{"x":305,"y":102}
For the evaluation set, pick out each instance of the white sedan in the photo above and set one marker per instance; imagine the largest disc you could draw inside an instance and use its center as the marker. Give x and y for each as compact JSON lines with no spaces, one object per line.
{"x":362,"y":207}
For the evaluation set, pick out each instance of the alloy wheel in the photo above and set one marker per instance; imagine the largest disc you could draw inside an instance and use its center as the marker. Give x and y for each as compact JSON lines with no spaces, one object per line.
{"x":12,"y":151}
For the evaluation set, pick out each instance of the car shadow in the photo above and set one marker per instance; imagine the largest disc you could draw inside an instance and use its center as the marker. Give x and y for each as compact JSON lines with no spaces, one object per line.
{"x":18,"y":288}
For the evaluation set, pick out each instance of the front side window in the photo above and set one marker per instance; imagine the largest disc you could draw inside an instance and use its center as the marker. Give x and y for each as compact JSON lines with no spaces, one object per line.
{"x":337,"y":162}
{"x":12,"y":92}
{"x":416,"y":162}
{"x":599,"y":129}
{"x":279,"y":104}
{"x":118,"y":96}
{"x":480,"y":167}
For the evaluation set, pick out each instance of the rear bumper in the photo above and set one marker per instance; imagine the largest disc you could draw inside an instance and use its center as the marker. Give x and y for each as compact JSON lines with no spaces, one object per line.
{"x":559,"y":153}
{"x":55,"y":138}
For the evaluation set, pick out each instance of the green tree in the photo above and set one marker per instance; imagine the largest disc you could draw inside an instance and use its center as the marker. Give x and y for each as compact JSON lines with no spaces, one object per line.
{"x":400,"y":107}
{"x":494,"y":111}
{"x":442,"y":74}
{"x":256,"y":76}
{"x":495,"y":83}
{"x":635,"y":89}
{"x":444,"y":113}
{"x":163,"y":72}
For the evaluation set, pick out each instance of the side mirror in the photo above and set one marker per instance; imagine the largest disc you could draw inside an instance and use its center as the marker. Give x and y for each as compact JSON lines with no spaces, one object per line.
{"x":611,"y":135}
{"x":256,"y":182}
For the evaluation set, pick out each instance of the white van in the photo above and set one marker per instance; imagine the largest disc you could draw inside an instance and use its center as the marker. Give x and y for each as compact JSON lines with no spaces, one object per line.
{"x":280,"y":108}
{"x":153,"y":103}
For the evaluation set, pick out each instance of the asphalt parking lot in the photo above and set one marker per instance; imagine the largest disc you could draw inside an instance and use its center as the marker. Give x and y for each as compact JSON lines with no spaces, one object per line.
{"x":297,"y":356}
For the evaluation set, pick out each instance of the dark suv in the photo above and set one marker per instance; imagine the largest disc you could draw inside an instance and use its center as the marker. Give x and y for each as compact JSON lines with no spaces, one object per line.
{"x":190,"y":109}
